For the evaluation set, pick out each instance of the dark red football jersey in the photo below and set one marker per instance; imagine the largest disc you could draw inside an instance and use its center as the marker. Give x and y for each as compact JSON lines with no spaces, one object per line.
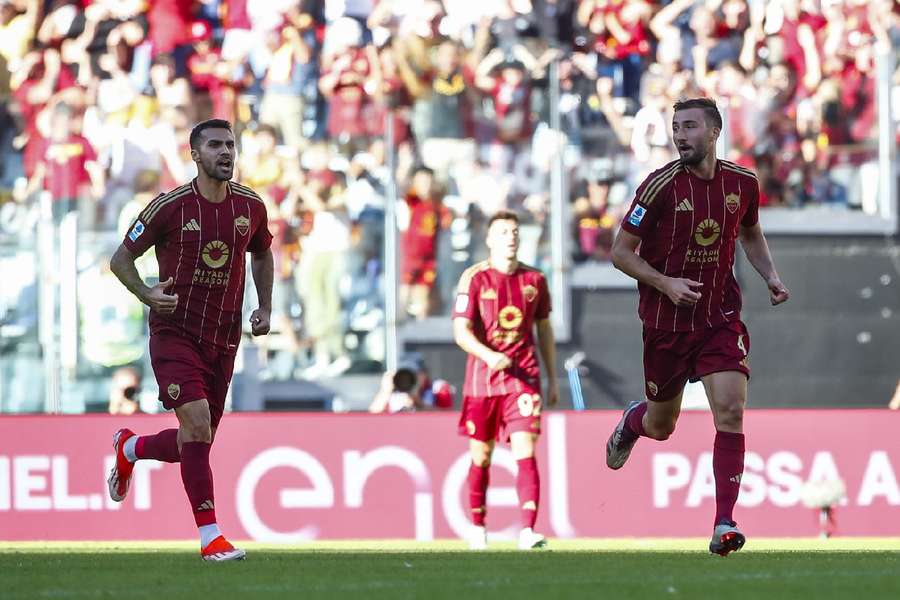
{"x":688,"y":228}
{"x":503,"y":310}
{"x":202,"y":246}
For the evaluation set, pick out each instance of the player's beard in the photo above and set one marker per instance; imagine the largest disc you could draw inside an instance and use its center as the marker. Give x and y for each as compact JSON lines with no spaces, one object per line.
{"x":218,"y":172}
{"x":694,"y":156}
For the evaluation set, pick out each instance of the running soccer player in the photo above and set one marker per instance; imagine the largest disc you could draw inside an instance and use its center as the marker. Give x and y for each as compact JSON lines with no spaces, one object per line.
{"x":498,"y":304}
{"x":201,"y":232}
{"x":686,"y":218}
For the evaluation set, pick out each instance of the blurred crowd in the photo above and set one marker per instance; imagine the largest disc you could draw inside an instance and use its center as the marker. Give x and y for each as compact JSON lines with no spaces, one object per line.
{"x":97,"y":98}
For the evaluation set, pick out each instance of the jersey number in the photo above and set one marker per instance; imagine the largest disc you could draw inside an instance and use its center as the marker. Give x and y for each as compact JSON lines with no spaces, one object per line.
{"x":741,"y":346}
{"x":530,"y":405}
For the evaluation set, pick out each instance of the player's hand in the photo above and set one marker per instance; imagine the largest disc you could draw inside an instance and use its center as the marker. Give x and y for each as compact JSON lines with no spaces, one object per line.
{"x":777,"y":292}
{"x":552,"y":393}
{"x":259,"y":322}
{"x":160,"y":300}
{"x":682,"y":291}
{"x":497,"y":361}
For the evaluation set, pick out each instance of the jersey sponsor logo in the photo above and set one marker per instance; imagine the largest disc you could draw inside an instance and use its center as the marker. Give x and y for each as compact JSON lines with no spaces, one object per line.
{"x":174,"y":390}
{"x":652,"y":388}
{"x":206,"y":505}
{"x":707,"y":232}
{"x":684,"y":205}
{"x":191,"y":225}
{"x":136,"y":231}
{"x":637,"y":215}
{"x":530,"y":292}
{"x":702,"y":256}
{"x":732,"y":203}
{"x":215,"y":254}
{"x":462,"y":303}
{"x":510,"y":317}
{"x":489,"y":294}
{"x":242,"y":224}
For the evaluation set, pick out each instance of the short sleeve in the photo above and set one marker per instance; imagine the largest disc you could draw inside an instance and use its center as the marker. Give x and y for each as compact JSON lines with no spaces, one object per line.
{"x":262,"y":237}
{"x":643,"y":213}
{"x":466,"y":304}
{"x":544,"y":301}
{"x":145,"y":231}
{"x":751,"y":214}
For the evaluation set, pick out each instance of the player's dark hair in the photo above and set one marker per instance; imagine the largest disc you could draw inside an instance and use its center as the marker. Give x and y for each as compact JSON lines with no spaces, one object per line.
{"x":202,"y":126}
{"x":707,"y":105}
{"x":423,"y":169}
{"x":503,"y":215}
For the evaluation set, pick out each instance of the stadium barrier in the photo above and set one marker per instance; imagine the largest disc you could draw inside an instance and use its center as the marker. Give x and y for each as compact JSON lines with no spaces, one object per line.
{"x":301,"y":477}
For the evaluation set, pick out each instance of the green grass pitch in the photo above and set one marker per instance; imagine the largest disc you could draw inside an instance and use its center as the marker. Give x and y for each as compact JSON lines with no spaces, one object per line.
{"x":852,"y":568}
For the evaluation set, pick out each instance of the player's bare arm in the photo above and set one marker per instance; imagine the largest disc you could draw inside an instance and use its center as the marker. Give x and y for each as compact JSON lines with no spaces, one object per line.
{"x":262,"y":264}
{"x":156,"y":297}
{"x":547,"y":348}
{"x":757,"y":250}
{"x":465,"y":339}
{"x":681,"y":291}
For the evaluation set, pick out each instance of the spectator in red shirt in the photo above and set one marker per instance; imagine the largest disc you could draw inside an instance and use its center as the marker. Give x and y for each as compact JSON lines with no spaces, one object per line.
{"x":427,"y":216}
{"x":343,"y":81}
{"x":67,"y":165}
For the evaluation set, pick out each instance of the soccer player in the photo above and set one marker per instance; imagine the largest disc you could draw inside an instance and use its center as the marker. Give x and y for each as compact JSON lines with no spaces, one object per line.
{"x":201,"y":232}
{"x":498,"y":304}
{"x":686,"y":218}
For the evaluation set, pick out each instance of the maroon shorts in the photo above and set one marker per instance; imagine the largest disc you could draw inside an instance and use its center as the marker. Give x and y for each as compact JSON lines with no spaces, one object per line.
{"x":419,"y":272}
{"x":671,"y":358}
{"x":496,"y":417}
{"x":186,"y":371}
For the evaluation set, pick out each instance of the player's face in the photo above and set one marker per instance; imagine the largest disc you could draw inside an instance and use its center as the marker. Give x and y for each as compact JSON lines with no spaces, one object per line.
{"x":692,"y":135}
{"x":216,"y":153}
{"x":503,"y":239}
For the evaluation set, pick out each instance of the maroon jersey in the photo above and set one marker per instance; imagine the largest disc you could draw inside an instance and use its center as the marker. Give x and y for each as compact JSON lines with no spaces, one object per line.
{"x":688,"y":227}
{"x":202,"y":245}
{"x":503,"y":309}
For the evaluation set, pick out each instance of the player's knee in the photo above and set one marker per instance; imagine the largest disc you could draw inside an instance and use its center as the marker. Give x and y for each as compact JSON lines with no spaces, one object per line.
{"x":483,"y":463}
{"x":730,"y":416}
{"x":197,"y":431}
{"x":660,"y":431}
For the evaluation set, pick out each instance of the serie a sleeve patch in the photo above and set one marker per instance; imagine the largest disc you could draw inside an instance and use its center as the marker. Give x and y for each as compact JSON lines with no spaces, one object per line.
{"x":462,"y":303}
{"x":136,"y":231}
{"x":637,"y":215}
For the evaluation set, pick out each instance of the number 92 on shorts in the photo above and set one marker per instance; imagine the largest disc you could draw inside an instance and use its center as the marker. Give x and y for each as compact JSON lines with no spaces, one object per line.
{"x":496,"y":417}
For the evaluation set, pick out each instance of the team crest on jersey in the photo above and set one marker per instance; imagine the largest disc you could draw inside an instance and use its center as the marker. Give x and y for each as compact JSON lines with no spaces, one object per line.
{"x":242,"y":224}
{"x":652,"y":388}
{"x":215,"y":254}
{"x":489,"y":294}
{"x":530,"y":292}
{"x":510,"y":317}
{"x":174,"y":391}
{"x":707,"y":232}
{"x":732,"y":203}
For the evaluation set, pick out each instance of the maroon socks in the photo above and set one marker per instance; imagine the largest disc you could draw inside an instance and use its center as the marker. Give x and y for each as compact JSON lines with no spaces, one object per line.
{"x":478,"y":483}
{"x":162,"y":446}
{"x":728,"y":466}
{"x":528,"y":485}
{"x":198,"y":482}
{"x":634,"y":422}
